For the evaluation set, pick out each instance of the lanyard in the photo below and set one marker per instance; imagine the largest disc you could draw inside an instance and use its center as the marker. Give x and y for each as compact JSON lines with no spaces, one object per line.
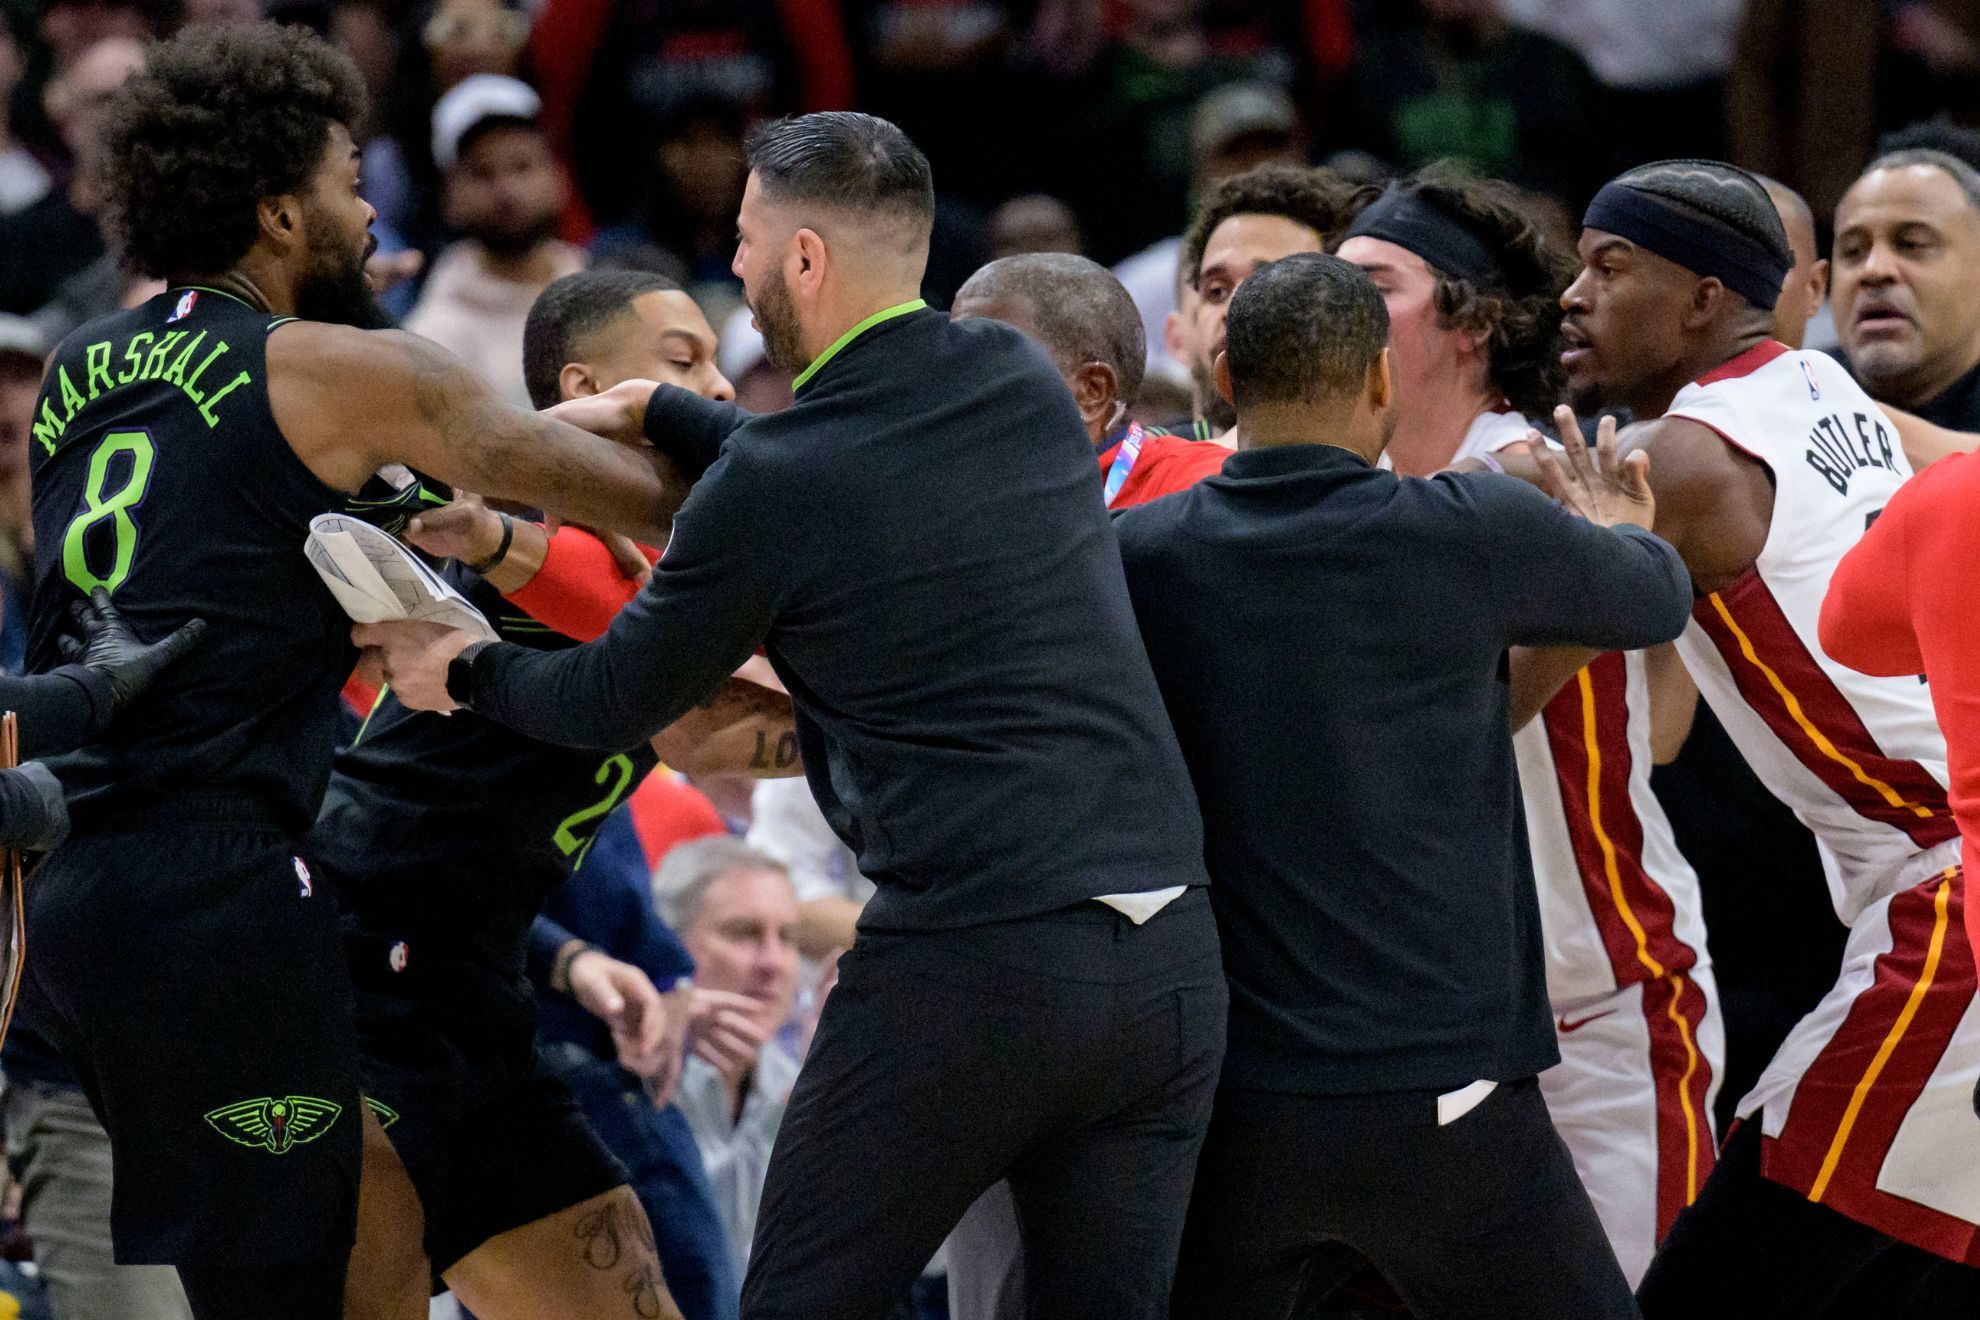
{"x":1124,"y":460}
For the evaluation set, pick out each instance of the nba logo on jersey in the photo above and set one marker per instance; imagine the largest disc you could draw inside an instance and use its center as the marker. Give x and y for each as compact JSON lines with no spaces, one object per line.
{"x":1807,"y":374}
{"x":303,"y":886}
{"x":184,"y":309}
{"x":398,"y":956}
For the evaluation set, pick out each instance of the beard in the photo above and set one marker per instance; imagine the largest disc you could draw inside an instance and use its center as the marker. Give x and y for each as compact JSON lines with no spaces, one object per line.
{"x":776,"y":315}
{"x":335,"y":288}
{"x":509,"y":241}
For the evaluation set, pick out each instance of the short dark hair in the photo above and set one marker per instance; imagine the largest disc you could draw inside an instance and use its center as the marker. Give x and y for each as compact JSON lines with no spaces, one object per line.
{"x":1717,"y":194}
{"x":846,"y":160}
{"x":1937,"y":134}
{"x":1081,"y":312}
{"x":1303,"y":329}
{"x":217,"y":121}
{"x":1519,"y":309}
{"x":1319,"y":198}
{"x":1962,"y":173}
{"x":568,"y":312}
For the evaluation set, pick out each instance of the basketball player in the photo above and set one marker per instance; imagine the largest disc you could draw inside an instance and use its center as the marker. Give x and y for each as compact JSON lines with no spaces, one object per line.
{"x":444,"y":836}
{"x":1473,"y":291}
{"x":186,"y":964}
{"x":1767,"y":464}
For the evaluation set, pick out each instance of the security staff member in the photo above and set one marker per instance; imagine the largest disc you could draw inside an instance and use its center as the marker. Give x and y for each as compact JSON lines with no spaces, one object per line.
{"x":1331,"y":641}
{"x":921,"y":547}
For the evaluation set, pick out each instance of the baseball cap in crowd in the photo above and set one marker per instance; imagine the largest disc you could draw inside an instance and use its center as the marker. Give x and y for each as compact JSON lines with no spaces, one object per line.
{"x":1240,"y":110}
{"x":472,"y":102}
{"x":21,"y":338}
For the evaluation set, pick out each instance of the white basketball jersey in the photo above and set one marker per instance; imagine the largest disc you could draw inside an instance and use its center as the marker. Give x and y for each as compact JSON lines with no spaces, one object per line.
{"x":1618,"y":902}
{"x":1859,"y":760}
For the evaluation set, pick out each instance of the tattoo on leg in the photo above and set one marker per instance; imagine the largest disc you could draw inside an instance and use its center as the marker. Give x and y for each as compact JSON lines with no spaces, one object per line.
{"x":607,"y":1236}
{"x":598,"y":1238}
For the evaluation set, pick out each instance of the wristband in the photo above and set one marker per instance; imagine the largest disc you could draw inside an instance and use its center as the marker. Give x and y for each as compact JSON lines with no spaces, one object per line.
{"x":501,"y":550}
{"x":560,"y":970}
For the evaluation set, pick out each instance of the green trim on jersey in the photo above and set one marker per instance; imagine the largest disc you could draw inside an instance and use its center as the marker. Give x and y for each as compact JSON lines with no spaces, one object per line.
{"x":885,"y":314}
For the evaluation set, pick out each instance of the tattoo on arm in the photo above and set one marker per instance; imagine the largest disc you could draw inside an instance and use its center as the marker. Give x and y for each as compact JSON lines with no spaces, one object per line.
{"x":783,"y":758}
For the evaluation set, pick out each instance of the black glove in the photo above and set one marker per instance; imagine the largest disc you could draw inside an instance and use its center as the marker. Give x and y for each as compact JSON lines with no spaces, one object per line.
{"x":110,"y":649}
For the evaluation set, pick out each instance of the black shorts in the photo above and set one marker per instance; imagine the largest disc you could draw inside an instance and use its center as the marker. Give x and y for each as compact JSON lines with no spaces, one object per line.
{"x":447,"y":1046}
{"x":193,"y":976}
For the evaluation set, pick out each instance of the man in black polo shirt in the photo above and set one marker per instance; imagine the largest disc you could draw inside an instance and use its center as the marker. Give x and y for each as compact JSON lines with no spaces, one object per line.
{"x":1331,"y":642}
{"x":920,"y":545}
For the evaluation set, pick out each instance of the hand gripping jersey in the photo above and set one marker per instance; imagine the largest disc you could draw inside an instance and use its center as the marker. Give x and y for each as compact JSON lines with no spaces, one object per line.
{"x":1618,"y":903}
{"x":1860,"y":760}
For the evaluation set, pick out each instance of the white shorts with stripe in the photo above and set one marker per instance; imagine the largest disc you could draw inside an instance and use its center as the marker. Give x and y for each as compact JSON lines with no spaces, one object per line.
{"x":1632,"y":1098}
{"x":1868,"y":1107}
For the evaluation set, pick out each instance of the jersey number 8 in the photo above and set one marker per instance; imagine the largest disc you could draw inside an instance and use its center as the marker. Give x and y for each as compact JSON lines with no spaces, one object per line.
{"x":116,"y":507}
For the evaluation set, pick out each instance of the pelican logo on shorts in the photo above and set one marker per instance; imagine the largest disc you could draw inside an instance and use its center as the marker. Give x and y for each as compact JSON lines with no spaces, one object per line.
{"x":187,"y":301}
{"x":276,"y":1125}
{"x":302,"y":878}
{"x":385,"y":1114}
{"x":398,"y":956}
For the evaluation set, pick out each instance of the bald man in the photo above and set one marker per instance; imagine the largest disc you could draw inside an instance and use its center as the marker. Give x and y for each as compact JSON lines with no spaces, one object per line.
{"x":1084,"y":319}
{"x":1807,"y":284}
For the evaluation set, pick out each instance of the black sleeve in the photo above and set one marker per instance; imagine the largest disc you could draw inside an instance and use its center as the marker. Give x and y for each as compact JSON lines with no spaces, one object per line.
{"x":59,"y":710}
{"x":1561,"y":580}
{"x":709,"y":603}
{"x":690,"y":429}
{"x":32,"y":811}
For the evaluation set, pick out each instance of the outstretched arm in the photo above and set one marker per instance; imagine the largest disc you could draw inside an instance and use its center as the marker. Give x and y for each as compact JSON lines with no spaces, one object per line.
{"x":351,"y":401}
{"x":1926,"y":443}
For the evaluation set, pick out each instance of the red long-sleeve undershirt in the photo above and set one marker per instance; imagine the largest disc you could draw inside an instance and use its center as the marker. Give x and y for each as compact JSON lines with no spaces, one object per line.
{"x":1901,"y":603}
{"x":579,"y":588}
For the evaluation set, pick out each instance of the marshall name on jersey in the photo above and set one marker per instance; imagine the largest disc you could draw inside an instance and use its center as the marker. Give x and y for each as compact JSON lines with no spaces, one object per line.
{"x":1860,"y":760}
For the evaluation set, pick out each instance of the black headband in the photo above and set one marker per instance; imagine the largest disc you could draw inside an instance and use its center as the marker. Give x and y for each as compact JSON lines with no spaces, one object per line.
{"x":1408,"y":219}
{"x":1744,"y":265}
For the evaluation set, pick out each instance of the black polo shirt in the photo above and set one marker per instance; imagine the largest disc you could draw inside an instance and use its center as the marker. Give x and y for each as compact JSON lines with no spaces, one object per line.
{"x":920,"y":546}
{"x":1331,"y":644}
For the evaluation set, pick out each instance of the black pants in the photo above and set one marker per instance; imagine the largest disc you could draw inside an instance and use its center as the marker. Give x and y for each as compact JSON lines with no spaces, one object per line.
{"x":1753,"y":1249}
{"x":1075,"y":1054}
{"x":1477,"y":1219}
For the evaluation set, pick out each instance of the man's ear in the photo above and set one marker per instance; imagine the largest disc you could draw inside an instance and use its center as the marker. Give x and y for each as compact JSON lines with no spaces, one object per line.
{"x":280,"y":220}
{"x":1095,"y":389}
{"x":1220,"y":372}
{"x":1818,"y":279}
{"x":576,"y":381}
{"x":1705,"y":297}
{"x":1381,"y":380}
{"x":806,"y":262}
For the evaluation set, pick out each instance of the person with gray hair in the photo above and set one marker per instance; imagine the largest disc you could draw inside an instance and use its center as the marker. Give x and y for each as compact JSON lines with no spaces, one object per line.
{"x":1083,"y":318}
{"x":1907,"y":284}
{"x":735,"y":910}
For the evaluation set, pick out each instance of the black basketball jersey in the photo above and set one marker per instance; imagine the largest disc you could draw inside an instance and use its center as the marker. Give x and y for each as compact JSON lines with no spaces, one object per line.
{"x":159,"y":474}
{"x":458,"y":819}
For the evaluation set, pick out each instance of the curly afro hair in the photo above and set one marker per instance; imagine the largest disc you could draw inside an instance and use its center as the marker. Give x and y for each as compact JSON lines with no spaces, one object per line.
{"x":1519,"y":311}
{"x":217,"y":121}
{"x":1319,"y":198}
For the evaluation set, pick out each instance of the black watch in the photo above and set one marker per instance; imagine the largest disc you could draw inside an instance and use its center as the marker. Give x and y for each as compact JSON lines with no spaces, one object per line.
{"x":460,"y":674}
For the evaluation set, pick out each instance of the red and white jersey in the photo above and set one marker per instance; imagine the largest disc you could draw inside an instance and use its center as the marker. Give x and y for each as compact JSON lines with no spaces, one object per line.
{"x":1860,"y":760}
{"x":1619,"y":905}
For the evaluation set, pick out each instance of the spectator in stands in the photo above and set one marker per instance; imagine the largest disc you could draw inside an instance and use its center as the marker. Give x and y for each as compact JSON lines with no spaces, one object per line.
{"x":1907,"y":276}
{"x":1232,"y":130}
{"x":788,"y":827}
{"x":22,"y":351}
{"x":1034,"y":223}
{"x":44,"y":244}
{"x":23,"y":181}
{"x":737,"y":913}
{"x":1451,"y":78}
{"x":70,"y":28}
{"x":611,"y":73}
{"x":503,"y":192}
{"x":688,"y":212}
